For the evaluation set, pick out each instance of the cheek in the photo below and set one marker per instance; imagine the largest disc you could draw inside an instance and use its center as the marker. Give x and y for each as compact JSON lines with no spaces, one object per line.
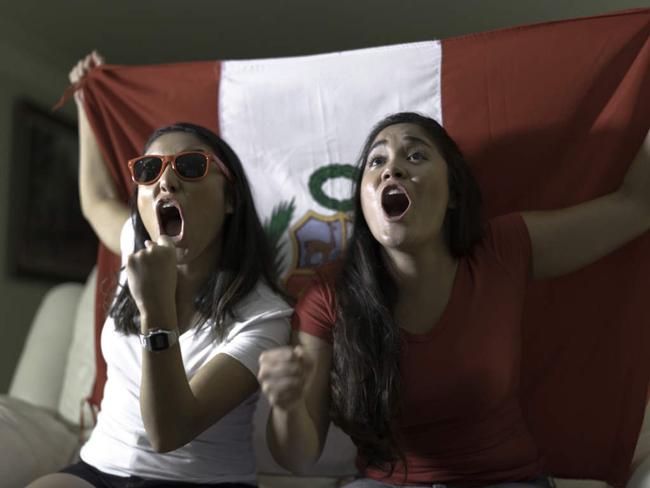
{"x":368,"y":202}
{"x":438,"y":188}
{"x":210,"y":206}
{"x":145,"y":209}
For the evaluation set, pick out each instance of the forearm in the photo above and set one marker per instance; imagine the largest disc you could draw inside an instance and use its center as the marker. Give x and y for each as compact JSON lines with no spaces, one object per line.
{"x":167,"y":403}
{"x":294,"y":438}
{"x":636,"y":185}
{"x":100,"y":203}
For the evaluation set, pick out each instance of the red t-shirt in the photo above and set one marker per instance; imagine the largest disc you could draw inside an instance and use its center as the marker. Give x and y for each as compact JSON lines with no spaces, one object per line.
{"x":460,"y":419}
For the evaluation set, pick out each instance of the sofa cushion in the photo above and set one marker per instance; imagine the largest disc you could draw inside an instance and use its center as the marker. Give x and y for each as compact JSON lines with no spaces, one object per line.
{"x":33,"y":442}
{"x":79,"y":374}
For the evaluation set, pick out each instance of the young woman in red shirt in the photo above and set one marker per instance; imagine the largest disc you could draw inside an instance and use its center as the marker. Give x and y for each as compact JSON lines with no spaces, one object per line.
{"x":413,"y":346}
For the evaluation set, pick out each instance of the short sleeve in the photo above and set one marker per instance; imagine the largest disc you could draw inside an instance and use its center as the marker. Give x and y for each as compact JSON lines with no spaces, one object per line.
{"x":315,"y":312}
{"x":508,"y":239}
{"x":261,"y":322}
{"x":250,"y":342}
{"x":127,"y":238}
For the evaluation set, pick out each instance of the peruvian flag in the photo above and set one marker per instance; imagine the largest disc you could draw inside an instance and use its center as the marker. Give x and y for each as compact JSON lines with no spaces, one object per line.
{"x":548,"y":115}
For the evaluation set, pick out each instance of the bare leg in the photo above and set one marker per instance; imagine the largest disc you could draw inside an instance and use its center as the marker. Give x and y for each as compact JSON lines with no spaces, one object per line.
{"x":59,"y":480}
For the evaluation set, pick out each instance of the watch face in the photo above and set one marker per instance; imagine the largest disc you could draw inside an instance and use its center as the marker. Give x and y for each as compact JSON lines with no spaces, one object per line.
{"x":158,"y":342}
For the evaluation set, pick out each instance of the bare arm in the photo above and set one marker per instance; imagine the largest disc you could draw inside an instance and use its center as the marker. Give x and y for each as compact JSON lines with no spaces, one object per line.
{"x":297,"y":383}
{"x":100,"y":202}
{"x":568,"y":239}
{"x":175,"y":410}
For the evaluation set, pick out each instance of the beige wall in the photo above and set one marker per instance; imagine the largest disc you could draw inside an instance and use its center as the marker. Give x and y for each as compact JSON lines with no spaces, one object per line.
{"x":20,"y":76}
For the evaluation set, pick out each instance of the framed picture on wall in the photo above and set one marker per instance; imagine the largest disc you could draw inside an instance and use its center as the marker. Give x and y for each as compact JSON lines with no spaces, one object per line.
{"x":48,"y":237}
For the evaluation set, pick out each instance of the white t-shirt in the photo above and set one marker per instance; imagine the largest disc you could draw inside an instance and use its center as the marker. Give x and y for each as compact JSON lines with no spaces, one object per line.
{"x":224,"y":452}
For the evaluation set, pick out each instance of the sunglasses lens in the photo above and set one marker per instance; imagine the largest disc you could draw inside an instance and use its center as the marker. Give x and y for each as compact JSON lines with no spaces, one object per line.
{"x":147,"y":169}
{"x":191,"y":165}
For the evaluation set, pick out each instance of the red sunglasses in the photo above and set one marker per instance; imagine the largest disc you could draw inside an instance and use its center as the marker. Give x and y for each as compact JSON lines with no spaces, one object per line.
{"x":189,"y":166}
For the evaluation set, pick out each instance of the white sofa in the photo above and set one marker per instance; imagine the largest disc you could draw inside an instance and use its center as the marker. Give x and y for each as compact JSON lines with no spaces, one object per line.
{"x":39,"y":418}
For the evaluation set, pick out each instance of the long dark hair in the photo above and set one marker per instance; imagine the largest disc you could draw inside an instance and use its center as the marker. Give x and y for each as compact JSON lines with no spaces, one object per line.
{"x":245,"y":256}
{"x":367,"y":342}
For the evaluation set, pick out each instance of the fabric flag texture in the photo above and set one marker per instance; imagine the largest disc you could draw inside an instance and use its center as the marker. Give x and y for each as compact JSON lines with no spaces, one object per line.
{"x":548,"y":115}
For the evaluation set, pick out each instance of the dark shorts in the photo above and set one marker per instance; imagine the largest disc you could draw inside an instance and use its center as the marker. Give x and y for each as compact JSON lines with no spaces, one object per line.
{"x":103,"y":480}
{"x":541,"y":482}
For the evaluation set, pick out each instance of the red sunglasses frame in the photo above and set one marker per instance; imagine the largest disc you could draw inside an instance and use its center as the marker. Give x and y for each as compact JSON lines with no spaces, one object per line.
{"x":171,"y":159}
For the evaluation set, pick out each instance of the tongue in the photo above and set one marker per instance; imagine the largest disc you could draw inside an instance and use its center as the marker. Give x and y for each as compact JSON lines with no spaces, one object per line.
{"x":172,"y":226}
{"x":395,"y":205}
{"x":171,"y":221}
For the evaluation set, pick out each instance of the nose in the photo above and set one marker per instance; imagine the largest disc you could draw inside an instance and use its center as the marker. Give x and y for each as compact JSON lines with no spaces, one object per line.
{"x":393,"y":169}
{"x":169,"y":181}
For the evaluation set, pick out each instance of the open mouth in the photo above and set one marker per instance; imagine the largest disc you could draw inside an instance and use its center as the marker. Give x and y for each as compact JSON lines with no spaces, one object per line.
{"x":170,"y":218}
{"x":395,"y":201}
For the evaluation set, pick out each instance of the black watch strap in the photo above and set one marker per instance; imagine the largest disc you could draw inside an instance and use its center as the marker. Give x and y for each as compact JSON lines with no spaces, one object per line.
{"x":159,"y":339}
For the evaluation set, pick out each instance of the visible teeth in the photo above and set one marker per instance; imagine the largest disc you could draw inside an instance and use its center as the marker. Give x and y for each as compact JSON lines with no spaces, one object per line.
{"x":395,"y":191}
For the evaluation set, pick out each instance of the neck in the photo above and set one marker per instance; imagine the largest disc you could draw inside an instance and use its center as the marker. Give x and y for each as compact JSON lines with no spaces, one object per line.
{"x":190,"y":278}
{"x":415,"y":266}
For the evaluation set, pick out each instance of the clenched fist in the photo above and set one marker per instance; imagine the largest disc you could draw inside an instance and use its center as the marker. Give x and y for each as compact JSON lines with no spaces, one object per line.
{"x":284,"y":371}
{"x":151,"y":274}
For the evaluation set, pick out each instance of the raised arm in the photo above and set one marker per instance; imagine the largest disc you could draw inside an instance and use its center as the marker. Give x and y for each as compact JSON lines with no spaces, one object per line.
{"x":175,"y":410}
{"x":100,"y":202}
{"x":568,"y":239}
{"x":296,"y":380}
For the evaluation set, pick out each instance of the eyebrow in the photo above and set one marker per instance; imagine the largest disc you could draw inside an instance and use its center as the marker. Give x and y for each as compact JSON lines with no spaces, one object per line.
{"x":416,"y":139}
{"x":405,"y":138}
{"x":377,"y":143}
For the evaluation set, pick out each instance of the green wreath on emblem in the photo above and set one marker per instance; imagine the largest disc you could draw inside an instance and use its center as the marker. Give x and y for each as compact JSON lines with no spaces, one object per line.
{"x":275,"y":226}
{"x":321,"y":175}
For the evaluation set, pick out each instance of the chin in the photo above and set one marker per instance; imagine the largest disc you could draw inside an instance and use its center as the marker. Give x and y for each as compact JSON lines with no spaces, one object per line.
{"x":393,"y":241}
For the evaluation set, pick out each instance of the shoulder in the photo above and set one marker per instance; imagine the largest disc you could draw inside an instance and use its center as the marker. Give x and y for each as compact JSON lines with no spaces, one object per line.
{"x":316,"y":309}
{"x":262,"y":311}
{"x":262,"y":300}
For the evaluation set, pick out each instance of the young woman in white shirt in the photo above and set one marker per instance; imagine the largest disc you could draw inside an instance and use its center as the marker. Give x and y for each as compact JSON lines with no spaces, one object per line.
{"x":186,"y":329}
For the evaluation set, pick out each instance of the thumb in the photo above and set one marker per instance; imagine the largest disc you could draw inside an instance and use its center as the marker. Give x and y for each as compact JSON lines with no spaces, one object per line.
{"x":165,"y":241}
{"x":304,"y":358}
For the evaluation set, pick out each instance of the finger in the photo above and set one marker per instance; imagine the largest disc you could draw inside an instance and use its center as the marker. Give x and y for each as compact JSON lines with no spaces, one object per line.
{"x":286,"y":388}
{"x":97,"y":58}
{"x":148,"y":244}
{"x":165,"y":241}
{"x":281,"y":372}
{"x":78,"y":72}
{"x":131,"y":261}
{"x":87,"y":65}
{"x":277,"y":356}
{"x":74,"y":76}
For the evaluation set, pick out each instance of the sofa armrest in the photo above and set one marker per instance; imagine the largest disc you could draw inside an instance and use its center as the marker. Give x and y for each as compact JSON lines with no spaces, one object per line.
{"x":39,"y":374}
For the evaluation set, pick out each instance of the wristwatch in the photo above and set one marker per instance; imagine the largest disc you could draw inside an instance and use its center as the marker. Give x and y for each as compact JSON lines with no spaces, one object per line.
{"x":159,"y":339}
